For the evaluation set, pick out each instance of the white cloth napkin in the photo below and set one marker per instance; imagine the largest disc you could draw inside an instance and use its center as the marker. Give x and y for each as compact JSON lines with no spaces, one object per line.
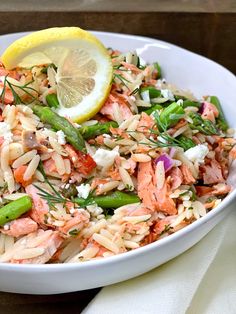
{"x":201,"y":280}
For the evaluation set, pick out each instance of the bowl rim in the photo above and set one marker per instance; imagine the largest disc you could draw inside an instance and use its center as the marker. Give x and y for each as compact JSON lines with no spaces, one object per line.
{"x":103,"y":262}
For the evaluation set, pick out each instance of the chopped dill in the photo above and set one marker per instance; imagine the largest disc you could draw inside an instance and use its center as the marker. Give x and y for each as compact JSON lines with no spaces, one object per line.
{"x":166,"y":229}
{"x":25,"y":88}
{"x":74,"y":232}
{"x":135,"y":91}
{"x":121,"y":78}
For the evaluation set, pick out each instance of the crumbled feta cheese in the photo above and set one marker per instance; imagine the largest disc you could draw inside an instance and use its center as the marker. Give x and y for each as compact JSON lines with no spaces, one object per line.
{"x":65,"y":186}
{"x":161,"y":139}
{"x":6,"y":227}
{"x":197,"y":153}
{"x":72,"y":211}
{"x":142,"y":62}
{"x":5,"y":131}
{"x":145,"y":96}
{"x":166,"y":93}
{"x":107,"y":135}
{"x":83,"y":190}
{"x":180,"y":102}
{"x":158,"y":84}
{"x":61,"y":137}
{"x":104,"y":157}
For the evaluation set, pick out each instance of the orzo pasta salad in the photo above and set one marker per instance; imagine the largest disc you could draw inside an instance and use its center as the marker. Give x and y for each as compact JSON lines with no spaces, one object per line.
{"x":145,"y":160}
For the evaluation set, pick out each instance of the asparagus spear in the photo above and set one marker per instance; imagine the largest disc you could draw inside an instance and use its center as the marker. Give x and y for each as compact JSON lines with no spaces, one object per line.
{"x":15,"y":209}
{"x":52,"y":100}
{"x":171,"y":115}
{"x":158,"y":68}
{"x":221,"y":121}
{"x":152,"y":109}
{"x":94,"y":130}
{"x":185,"y":142}
{"x":113,"y":200}
{"x":190,"y":103}
{"x":205,"y":126}
{"x":153,"y":92}
{"x":73,"y":136}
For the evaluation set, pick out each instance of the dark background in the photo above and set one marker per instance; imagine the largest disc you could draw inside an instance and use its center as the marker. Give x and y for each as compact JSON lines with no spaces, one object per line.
{"x":206,"y":27}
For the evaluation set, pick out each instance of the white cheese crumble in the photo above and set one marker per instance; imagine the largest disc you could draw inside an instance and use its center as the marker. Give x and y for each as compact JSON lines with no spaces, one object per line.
{"x":5,"y":131}
{"x":72,"y":211}
{"x":161,"y":139}
{"x":166,"y":93}
{"x":104,"y":157}
{"x":197,"y":153}
{"x":65,"y":186}
{"x":142,"y":62}
{"x":106,"y":135}
{"x":180,"y":102}
{"x":83,"y":190}
{"x":61,"y":137}
{"x":6,"y":227}
{"x":145,"y":95}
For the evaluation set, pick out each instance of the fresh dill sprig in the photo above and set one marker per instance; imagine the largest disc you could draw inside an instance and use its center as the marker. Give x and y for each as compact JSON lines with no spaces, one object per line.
{"x":25,"y":88}
{"x":118,"y":67}
{"x":121,"y":78}
{"x":74,"y":232}
{"x":50,"y":198}
{"x":166,"y":140}
{"x":58,"y":198}
{"x":162,"y":125}
{"x":166,"y":229}
{"x":2,"y":96}
{"x":135,"y":91}
{"x":41,"y":169}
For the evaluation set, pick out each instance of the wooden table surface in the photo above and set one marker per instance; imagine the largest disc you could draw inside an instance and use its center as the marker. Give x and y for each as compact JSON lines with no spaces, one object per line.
{"x":205,"y":27}
{"x":11,"y":303}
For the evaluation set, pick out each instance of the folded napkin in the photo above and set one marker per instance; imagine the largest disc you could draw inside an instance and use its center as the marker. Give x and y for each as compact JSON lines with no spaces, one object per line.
{"x":201,"y":280}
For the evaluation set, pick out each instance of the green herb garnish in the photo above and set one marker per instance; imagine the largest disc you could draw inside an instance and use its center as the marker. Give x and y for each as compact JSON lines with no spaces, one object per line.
{"x":25,"y":88}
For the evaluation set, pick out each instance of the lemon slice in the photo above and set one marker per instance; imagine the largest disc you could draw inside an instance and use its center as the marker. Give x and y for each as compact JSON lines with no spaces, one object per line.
{"x":84,"y":69}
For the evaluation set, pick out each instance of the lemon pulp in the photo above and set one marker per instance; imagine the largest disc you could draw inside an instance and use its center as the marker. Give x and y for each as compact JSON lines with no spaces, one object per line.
{"x":84,"y":69}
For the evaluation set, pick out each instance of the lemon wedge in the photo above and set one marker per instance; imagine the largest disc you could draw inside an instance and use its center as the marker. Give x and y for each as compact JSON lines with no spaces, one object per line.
{"x":84,"y":69}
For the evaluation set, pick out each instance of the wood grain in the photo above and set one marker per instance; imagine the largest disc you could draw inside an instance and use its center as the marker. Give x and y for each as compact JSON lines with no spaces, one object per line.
{"x":210,"y":34}
{"x":120,"y":6}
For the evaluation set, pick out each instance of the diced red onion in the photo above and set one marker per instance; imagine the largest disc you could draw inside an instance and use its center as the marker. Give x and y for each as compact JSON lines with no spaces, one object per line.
{"x":168,"y":162}
{"x":204,"y":106}
{"x":201,"y":109}
{"x":172,"y":152}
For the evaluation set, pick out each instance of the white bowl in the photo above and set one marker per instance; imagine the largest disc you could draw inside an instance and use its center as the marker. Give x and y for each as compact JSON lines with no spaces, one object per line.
{"x":189,"y":71}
